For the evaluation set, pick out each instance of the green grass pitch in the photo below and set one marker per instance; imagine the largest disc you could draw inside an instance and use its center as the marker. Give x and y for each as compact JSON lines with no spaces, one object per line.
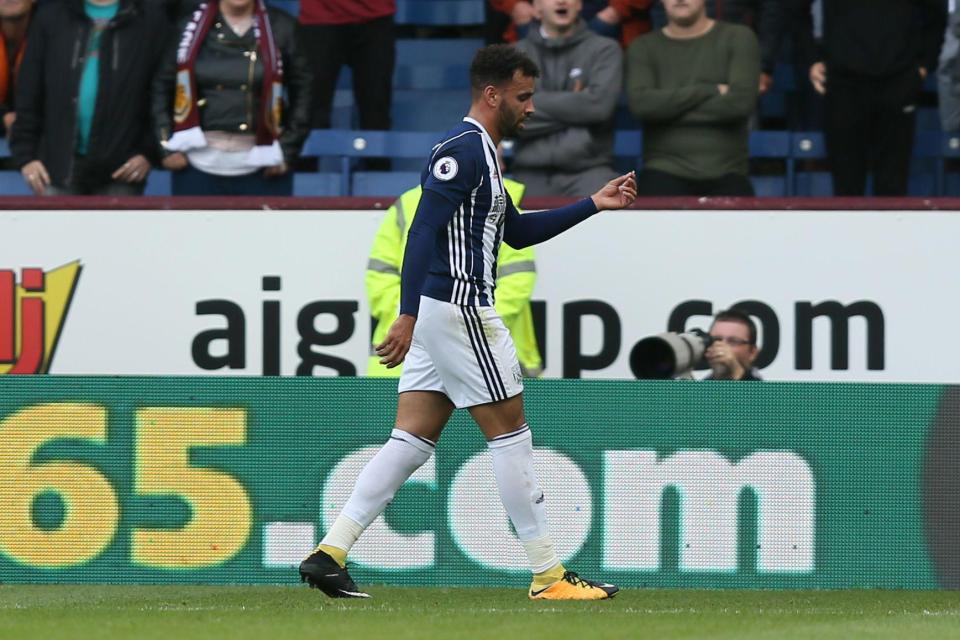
{"x":81,"y":612}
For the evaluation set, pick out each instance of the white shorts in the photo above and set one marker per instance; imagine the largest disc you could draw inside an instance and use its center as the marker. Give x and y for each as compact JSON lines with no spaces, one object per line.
{"x":466,"y":353}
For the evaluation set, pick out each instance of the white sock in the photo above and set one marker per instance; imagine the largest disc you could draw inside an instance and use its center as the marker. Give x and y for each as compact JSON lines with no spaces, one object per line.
{"x":343,"y":533}
{"x":376,"y":485}
{"x":521,"y":495}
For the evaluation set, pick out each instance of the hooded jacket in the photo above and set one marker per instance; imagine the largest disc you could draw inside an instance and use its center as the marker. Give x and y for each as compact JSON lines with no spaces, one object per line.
{"x":571,"y":130}
{"x":49,"y":85}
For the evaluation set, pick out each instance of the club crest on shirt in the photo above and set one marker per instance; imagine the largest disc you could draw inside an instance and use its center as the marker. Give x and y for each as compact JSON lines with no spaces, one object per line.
{"x":445,"y":169}
{"x":498,"y":209}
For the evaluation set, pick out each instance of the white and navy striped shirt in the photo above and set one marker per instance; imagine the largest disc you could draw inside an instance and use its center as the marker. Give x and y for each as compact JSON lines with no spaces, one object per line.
{"x":463,"y":215}
{"x":463,"y":168}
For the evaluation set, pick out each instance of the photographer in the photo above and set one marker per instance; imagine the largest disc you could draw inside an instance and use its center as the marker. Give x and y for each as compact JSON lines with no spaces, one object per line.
{"x":734,"y":348}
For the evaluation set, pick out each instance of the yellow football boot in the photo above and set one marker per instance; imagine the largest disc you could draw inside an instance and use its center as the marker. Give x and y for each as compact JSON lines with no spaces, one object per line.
{"x":573,"y":587}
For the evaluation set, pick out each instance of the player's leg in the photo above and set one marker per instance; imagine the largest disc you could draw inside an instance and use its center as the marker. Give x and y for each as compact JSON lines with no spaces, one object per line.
{"x":511,"y":447}
{"x":422,"y":412}
{"x":487,"y":381}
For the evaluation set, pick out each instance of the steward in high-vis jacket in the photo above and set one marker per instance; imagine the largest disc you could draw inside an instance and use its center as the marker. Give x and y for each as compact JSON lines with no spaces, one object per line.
{"x":516,"y":276}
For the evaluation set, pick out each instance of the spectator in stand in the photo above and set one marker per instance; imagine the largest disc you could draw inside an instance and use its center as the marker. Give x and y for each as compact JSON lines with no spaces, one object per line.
{"x":948,"y":73}
{"x":358,"y":34}
{"x":83,"y":95}
{"x":621,"y":20}
{"x":767,"y":18}
{"x":875,"y":56}
{"x":693,"y":85}
{"x":566,"y":146}
{"x":14,"y":21}
{"x":218,"y":101}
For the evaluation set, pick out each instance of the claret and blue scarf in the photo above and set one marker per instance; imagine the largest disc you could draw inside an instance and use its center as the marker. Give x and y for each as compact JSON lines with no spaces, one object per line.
{"x":187,"y":133}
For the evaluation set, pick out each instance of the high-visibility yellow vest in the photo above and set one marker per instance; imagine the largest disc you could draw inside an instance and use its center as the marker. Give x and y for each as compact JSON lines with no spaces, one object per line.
{"x":516,"y":277}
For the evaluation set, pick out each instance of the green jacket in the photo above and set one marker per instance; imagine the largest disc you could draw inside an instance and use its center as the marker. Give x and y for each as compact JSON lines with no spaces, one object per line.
{"x":516,"y":276}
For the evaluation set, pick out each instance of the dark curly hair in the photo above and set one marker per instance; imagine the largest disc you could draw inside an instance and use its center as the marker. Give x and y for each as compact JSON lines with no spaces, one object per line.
{"x":495,"y":65}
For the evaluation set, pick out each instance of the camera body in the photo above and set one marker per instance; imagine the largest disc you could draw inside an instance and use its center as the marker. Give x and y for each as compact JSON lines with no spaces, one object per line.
{"x":669,"y":355}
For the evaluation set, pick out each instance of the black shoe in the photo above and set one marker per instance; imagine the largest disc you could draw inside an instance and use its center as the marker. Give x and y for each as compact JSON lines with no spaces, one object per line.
{"x":322,"y":572}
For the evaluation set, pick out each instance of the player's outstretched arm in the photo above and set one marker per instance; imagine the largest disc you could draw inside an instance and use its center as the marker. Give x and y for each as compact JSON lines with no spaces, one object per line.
{"x":538,"y":226}
{"x":617,"y":194}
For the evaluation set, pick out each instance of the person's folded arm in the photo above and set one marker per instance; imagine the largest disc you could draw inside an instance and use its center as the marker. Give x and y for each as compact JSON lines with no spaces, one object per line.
{"x":596,"y":102}
{"x":650,"y":103}
{"x":741,"y":99}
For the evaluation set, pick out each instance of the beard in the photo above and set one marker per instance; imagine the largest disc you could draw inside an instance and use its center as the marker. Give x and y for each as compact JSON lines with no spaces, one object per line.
{"x":509,"y":123}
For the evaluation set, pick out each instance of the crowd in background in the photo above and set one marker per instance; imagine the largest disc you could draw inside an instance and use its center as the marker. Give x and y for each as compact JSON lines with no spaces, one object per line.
{"x":96,"y":93}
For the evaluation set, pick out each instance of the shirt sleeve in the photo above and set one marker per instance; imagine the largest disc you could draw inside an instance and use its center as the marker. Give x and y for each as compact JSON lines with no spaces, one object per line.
{"x":434,"y":213}
{"x":523,"y":230}
{"x":450,"y":177}
{"x":453,"y":171}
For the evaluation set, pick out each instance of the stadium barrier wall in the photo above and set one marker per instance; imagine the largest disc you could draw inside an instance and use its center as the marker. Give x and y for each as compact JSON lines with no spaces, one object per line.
{"x":648,"y":484}
{"x":841,"y":295}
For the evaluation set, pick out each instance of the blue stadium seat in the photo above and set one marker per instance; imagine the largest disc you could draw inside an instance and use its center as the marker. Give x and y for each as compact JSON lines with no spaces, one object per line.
{"x":926,"y":175}
{"x":440,"y":12}
{"x":769,"y":144}
{"x":12,"y":184}
{"x":428,"y":111}
{"x":419,"y":76}
{"x":950,"y":150}
{"x":928,"y":119}
{"x":772,"y":145}
{"x":343,"y":114}
{"x":773,"y":104}
{"x":347,"y":145}
{"x":158,"y":183}
{"x":817,"y":184}
{"x":290,"y":6}
{"x":435,"y":51}
{"x":769,"y":186}
{"x":926,"y":165}
{"x":809,"y":145}
{"x":317,"y":184}
{"x":345,"y":79}
{"x":785,"y":77}
{"x":432,"y":77}
{"x":628,"y":149}
{"x":384,"y":183}
{"x":622,"y":118}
